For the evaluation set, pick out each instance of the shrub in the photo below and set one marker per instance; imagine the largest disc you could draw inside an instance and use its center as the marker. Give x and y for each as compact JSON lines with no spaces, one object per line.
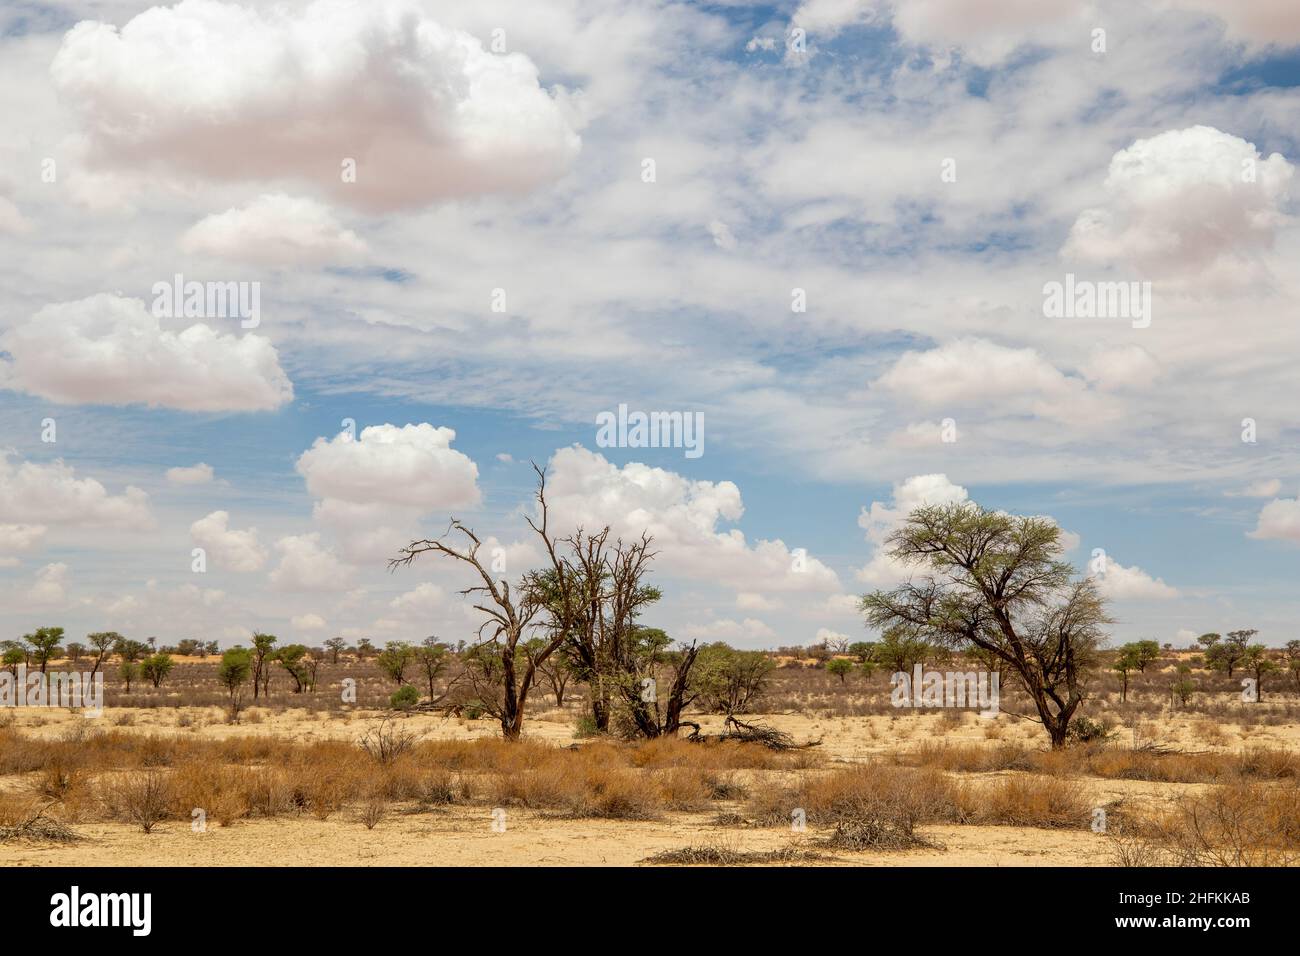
{"x":404,"y":698}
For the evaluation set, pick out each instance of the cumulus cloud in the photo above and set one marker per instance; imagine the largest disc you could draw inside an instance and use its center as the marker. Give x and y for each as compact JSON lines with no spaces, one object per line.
{"x":307,"y":566}
{"x":307,"y":622}
{"x":828,"y":17}
{"x":585,"y":489}
{"x":749,"y":630}
{"x":969,"y":372}
{"x":1184,"y":203}
{"x":226,"y":547}
{"x":1279,"y":520}
{"x":52,"y":494}
{"x":109,"y":350}
{"x":411,"y":467}
{"x":1130,"y":583}
{"x":423,"y":600}
{"x":20,"y":537}
{"x":276,"y":230}
{"x":1259,"y":22}
{"x":289,"y":93}
{"x":50,"y":586}
{"x":199,"y":474}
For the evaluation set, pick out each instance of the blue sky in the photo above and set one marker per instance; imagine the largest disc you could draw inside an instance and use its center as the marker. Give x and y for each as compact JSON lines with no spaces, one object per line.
{"x":1166,"y":156}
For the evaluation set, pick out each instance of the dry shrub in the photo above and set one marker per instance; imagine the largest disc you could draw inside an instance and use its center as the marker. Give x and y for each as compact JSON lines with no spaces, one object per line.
{"x":145,"y":799}
{"x":969,"y":758}
{"x":1240,"y":824}
{"x":217,"y":789}
{"x":373,"y":810}
{"x":683,"y":788}
{"x":722,"y":853}
{"x":386,"y":741}
{"x":1025,"y":801}
{"x":579,"y":783}
{"x":25,"y":817}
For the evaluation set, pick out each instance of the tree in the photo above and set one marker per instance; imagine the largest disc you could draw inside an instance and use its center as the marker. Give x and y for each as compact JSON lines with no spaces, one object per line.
{"x":232,"y":673}
{"x":103,"y":643}
{"x":335,"y":645}
{"x":1258,"y":662}
{"x":1125,"y":661}
{"x":129,"y":650}
{"x":365,"y":649}
{"x":44,"y":641}
{"x":1209,"y":640}
{"x":155,"y":668}
{"x":728,"y":680}
{"x":75,"y":652}
{"x":840,"y":667}
{"x":1183,"y":686}
{"x":263,"y":645}
{"x":293,"y":658}
{"x":1293,"y":662}
{"x":997,"y":583}
{"x":431,"y":659}
{"x":556,"y":668}
{"x":396,"y":658}
{"x":498,"y":670}
{"x":128,"y":671}
{"x":12,"y":658}
{"x":1226,"y":655}
{"x":901,"y":650}
{"x":863,"y":652}
{"x":1144,"y":653}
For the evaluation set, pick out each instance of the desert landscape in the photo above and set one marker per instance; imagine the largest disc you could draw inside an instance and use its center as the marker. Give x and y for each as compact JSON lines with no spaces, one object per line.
{"x":168,"y":776}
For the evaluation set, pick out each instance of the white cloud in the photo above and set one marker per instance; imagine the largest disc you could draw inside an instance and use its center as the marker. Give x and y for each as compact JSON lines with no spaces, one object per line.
{"x":828,"y":17}
{"x":423,"y":600}
{"x":752,"y":601}
{"x":307,"y":622}
{"x":1260,"y":22}
{"x":359,"y":480}
{"x":11,"y":220}
{"x":725,"y":629}
{"x":1279,"y":520}
{"x":1187,"y":202}
{"x":882,"y":519}
{"x":1264,"y":488}
{"x":682,"y":515}
{"x":1131,"y":584}
{"x":826,"y":634}
{"x":50,"y":586}
{"x":306,"y":566}
{"x":231,"y":92}
{"x":276,"y":230}
{"x":199,"y":474}
{"x":53,"y":494}
{"x":722,"y":235}
{"x":227,"y":548}
{"x":108,"y":350}
{"x":20,"y":537}
{"x":975,"y":373}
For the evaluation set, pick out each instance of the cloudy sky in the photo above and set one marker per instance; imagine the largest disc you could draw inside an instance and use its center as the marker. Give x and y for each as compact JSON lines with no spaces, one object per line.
{"x":473,"y":226}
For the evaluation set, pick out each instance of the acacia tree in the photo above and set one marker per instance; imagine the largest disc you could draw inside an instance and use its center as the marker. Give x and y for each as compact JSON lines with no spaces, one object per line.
{"x":156,"y":667}
{"x":103,"y":642}
{"x":232,"y":673}
{"x":335,"y":644}
{"x":395,"y":660}
{"x":262,"y":650}
{"x":1293,"y":662}
{"x":499,"y":668}
{"x":1125,"y":661}
{"x":293,"y":658}
{"x":997,"y":583}
{"x":44,"y":641}
{"x":1257,"y":660}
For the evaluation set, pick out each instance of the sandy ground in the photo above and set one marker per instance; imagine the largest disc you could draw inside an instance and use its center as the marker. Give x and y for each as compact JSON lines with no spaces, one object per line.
{"x":464,"y":836}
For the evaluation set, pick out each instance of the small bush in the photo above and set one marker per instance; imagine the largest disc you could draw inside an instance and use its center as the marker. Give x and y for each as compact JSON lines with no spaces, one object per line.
{"x":404,"y":698}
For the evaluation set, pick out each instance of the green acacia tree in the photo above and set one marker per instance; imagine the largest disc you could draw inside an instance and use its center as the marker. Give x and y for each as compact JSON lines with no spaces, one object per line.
{"x":997,"y":583}
{"x":839,"y":667}
{"x":1126,"y":661}
{"x":232,"y":673}
{"x":44,"y":641}
{"x":156,"y":667}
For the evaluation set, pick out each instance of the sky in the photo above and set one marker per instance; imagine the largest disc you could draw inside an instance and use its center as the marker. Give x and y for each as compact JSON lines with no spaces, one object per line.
{"x":829,"y":231}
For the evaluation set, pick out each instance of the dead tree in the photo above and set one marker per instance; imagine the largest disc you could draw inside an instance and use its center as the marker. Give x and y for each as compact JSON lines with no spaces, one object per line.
{"x":500,"y":669}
